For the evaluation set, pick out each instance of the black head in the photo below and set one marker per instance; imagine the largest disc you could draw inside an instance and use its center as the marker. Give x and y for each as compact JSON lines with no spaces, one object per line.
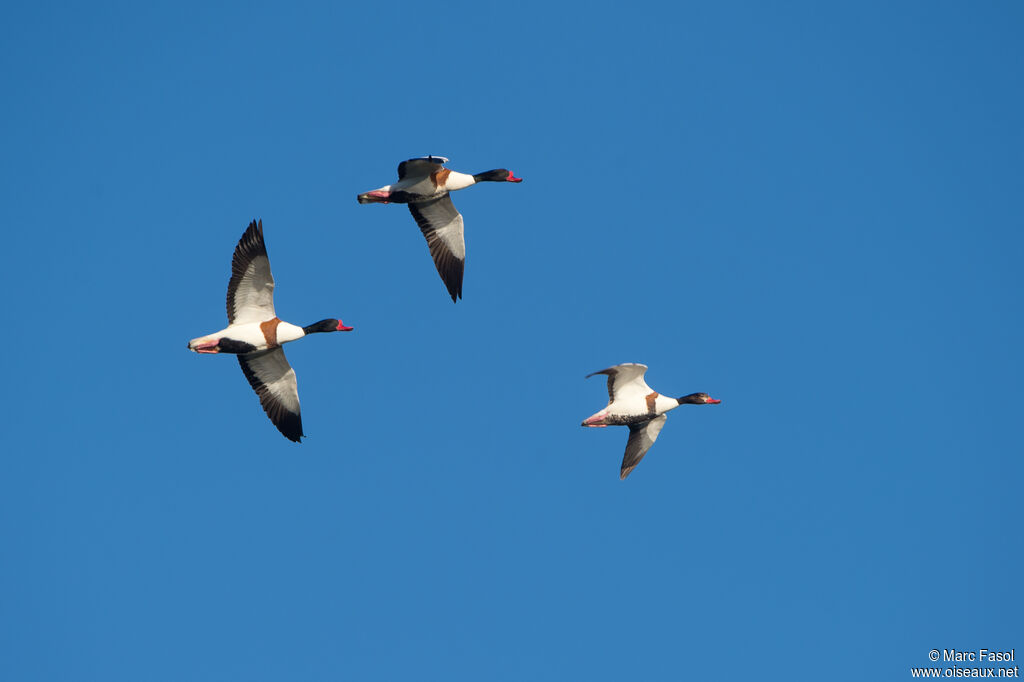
{"x":498,"y":175}
{"x":698,"y":399}
{"x":328,"y":325}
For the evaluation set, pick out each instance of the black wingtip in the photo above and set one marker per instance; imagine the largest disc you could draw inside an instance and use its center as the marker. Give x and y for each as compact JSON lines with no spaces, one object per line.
{"x":255,"y":230}
{"x":453,"y":283}
{"x":289,"y":424}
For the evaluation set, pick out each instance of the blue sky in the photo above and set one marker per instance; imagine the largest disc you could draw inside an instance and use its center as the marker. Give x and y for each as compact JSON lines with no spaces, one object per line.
{"x":812,"y":213}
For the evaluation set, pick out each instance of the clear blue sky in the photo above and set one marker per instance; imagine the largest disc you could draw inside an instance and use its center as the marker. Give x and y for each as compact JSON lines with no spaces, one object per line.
{"x":813,"y":213}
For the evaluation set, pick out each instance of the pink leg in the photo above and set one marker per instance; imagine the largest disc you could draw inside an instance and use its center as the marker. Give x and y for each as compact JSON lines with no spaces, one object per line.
{"x":597,"y":421}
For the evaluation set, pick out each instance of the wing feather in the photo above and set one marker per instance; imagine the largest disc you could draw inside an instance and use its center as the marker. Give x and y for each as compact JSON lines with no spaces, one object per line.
{"x":641,"y":438}
{"x":421,"y":166}
{"x":274,"y":381}
{"x":625,"y":382}
{"x":442,"y":227}
{"x":251,"y":287}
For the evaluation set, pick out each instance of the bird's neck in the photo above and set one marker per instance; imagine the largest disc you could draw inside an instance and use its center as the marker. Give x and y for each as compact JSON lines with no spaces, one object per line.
{"x":457,"y":180}
{"x":318,"y":327}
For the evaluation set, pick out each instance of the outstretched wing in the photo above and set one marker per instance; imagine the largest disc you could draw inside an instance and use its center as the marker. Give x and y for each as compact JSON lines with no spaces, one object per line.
{"x":441,"y":224}
{"x":641,"y":438}
{"x":625,"y":382}
{"x":273,"y":379}
{"x":421,"y":166}
{"x":251,"y":288}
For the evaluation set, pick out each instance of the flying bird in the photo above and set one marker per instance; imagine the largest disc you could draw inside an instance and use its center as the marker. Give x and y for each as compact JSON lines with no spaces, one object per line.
{"x":255,"y":334}
{"x":424,"y":184}
{"x":632,"y":403}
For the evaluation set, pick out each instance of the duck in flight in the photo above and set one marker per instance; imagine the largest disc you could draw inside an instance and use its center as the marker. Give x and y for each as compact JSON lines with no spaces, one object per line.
{"x":424,"y":184}
{"x":255,"y":334}
{"x":632,"y":403}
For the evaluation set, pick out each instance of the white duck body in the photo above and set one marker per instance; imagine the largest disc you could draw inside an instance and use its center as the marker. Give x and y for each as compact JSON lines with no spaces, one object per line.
{"x":635,"y":408}
{"x":418,"y":188}
{"x":418,"y":180}
{"x":254,"y":334}
{"x":630,"y":399}
{"x":632,"y":403}
{"x":248,"y":337}
{"x":424,"y":185}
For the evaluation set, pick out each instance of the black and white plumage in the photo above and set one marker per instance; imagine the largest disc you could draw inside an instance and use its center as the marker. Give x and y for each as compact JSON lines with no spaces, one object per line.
{"x":632,"y":403}
{"x":255,"y":334}
{"x":273,"y":379}
{"x":251,"y":287}
{"x":641,"y":437}
{"x":424,"y":184}
{"x":441,"y":225}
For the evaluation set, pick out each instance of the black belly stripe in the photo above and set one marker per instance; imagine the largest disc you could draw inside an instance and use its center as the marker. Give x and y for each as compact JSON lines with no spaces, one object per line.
{"x":403,"y":197}
{"x":232,"y":346}
{"x":620,"y":420}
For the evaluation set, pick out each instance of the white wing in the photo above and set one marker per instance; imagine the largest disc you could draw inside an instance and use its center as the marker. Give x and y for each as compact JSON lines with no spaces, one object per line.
{"x":442,"y":226}
{"x":641,"y":438}
{"x":251,"y":288}
{"x":626,"y":382}
{"x":274,"y":381}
